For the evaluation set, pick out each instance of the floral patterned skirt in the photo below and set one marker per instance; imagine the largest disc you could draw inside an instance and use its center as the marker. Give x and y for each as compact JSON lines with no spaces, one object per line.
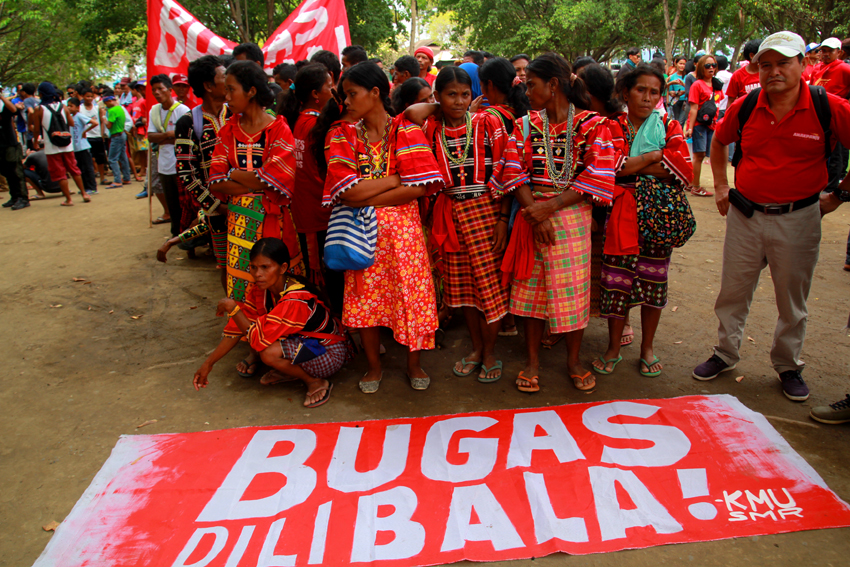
{"x":397,"y":291}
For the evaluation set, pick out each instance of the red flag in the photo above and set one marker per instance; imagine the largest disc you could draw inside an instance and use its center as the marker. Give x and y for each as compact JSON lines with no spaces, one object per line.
{"x":176,"y":37}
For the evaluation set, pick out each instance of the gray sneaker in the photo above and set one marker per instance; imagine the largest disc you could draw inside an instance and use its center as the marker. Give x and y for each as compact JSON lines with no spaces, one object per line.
{"x":709,"y":369}
{"x":833,"y":414}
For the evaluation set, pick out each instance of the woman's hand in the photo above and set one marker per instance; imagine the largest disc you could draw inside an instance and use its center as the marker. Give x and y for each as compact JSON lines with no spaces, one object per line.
{"x":162,"y":253}
{"x":688,"y":132}
{"x":538,"y":212}
{"x":476,"y":104}
{"x":500,"y":236}
{"x":200,"y":380}
{"x":225,"y":306}
{"x":544,"y":233}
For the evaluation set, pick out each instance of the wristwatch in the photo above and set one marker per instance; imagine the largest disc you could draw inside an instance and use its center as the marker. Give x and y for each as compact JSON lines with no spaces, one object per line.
{"x":843,"y":196}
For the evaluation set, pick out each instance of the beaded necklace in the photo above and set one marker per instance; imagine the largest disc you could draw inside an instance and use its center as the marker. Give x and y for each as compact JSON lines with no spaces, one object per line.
{"x":630,"y":132}
{"x":560,"y":179}
{"x":378,"y":161}
{"x":461,"y":157}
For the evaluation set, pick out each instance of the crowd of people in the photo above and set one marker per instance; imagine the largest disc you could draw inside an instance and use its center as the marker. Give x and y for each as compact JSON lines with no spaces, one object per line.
{"x":339,"y":199}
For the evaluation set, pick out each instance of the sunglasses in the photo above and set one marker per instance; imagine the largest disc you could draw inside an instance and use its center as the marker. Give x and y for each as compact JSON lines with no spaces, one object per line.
{"x":710,"y":65}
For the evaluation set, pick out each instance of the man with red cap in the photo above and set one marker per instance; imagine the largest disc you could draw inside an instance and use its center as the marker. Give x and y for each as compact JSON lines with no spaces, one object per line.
{"x":180,"y":84}
{"x":426,"y":58}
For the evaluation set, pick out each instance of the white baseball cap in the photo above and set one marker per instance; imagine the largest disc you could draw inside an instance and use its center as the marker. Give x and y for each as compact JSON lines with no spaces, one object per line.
{"x":787,"y":43}
{"x":832,"y":42}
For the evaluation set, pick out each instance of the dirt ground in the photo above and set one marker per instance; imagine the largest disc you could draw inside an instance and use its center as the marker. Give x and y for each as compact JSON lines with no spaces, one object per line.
{"x":85,"y":362}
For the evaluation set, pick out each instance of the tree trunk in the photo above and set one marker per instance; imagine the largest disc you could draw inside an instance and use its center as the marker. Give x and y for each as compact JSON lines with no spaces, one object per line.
{"x":671,"y":26}
{"x":236,"y":14}
{"x":413,"y":17}
{"x":270,"y":23}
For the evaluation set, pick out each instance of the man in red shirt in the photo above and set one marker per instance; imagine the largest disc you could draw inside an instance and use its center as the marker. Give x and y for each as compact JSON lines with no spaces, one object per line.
{"x":774,"y":220}
{"x":833,"y":74}
{"x":425,"y":57}
{"x":746,"y":78}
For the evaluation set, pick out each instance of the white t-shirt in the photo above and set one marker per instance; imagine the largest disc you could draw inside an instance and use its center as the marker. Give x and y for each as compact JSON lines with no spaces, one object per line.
{"x":167,"y":162}
{"x":724,"y":77}
{"x":46,"y":117}
{"x":94,"y":115}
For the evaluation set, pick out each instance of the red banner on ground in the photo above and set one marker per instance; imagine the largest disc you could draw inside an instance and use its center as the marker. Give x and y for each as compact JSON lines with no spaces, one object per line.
{"x":176,"y":37}
{"x":487,"y":486}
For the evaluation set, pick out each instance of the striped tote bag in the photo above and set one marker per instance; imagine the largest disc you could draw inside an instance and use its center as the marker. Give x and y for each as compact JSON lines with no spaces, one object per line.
{"x":352,"y":238}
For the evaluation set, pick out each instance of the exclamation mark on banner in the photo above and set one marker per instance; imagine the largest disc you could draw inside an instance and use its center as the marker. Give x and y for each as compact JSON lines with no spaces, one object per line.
{"x":694,"y":484}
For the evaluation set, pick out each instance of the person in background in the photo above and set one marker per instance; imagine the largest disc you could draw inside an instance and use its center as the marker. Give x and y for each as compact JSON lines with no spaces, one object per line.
{"x":60,"y":159}
{"x":425,"y":57}
{"x":90,"y":110}
{"x":138,"y":138}
{"x":11,"y":156}
{"x":252,"y":52}
{"x":377,"y":61}
{"x":811,"y":61}
{"x":352,"y":55}
{"x":162,"y":120}
{"x":331,"y":63}
{"x":676,"y":103}
{"x":633,"y":57}
{"x":746,"y":78}
{"x":413,"y":91}
{"x":284,"y":76}
{"x":37,"y":174}
{"x":183,"y":92}
{"x":194,"y":150}
{"x":115,"y":120}
{"x":520,"y":62}
{"x":774,"y":220}
{"x":29,"y":105}
{"x":404,"y":68}
{"x":126,"y":94}
{"x":702,"y":90}
{"x":473,"y":56}
{"x":82,"y":124}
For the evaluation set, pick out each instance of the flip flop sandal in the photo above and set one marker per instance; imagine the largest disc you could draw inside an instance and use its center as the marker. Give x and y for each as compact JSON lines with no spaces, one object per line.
{"x":86,"y":199}
{"x":626,"y":340}
{"x":605,"y":363}
{"x":701,"y":192}
{"x":324,"y":398}
{"x":115,"y":186}
{"x":161,"y":220}
{"x":578,"y":381}
{"x":485,"y":380}
{"x":419,"y":383}
{"x":532,"y":387}
{"x":248,"y":374}
{"x":509,"y":332}
{"x":549,"y":342}
{"x":64,"y":204}
{"x":649,"y":374}
{"x":274,"y":377}
{"x":463,"y":363}
{"x":371,"y":386}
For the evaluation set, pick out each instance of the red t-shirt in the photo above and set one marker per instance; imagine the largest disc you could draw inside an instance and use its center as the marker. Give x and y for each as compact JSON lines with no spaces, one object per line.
{"x":700,"y":93}
{"x":307,"y":209}
{"x":784,"y":160}
{"x":139,"y":109}
{"x":741,"y":83}
{"x":834,"y":77}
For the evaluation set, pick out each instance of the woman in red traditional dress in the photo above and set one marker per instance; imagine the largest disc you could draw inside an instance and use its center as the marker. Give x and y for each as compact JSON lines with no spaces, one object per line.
{"x":287,"y":320}
{"x":375,"y":160}
{"x":301,"y":106}
{"x":559,"y":158}
{"x":470,"y":221}
{"x":254,"y":163}
{"x":651,"y":150}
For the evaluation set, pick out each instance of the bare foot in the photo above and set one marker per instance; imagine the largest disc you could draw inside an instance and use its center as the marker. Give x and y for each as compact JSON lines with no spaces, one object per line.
{"x":249,"y":364}
{"x":316,"y":392}
{"x":473,"y":360}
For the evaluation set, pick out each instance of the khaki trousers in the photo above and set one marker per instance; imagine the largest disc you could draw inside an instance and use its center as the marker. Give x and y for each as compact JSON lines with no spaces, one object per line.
{"x":789,"y":245}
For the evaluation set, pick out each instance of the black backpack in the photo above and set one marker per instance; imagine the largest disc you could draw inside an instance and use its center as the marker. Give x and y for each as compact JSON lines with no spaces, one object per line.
{"x":708,"y":110}
{"x":820,"y":102}
{"x":57,"y":128}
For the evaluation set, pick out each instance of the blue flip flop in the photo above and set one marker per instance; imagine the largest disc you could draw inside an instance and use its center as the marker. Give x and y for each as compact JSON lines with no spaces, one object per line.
{"x":485,"y":380}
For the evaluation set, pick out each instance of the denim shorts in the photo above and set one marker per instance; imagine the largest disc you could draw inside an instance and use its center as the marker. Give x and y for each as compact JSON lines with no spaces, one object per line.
{"x":701,"y":138}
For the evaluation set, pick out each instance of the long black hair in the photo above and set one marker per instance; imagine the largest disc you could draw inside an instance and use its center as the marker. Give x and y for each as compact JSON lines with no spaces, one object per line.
{"x":407,"y":93}
{"x":248,"y":74}
{"x":367,"y":75}
{"x":600,"y":84}
{"x":627,"y":80}
{"x":552,"y":66}
{"x":310,"y":77}
{"x":501,"y":74}
{"x":276,"y":250}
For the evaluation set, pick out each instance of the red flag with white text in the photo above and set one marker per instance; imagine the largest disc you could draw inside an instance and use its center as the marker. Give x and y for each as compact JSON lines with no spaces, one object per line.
{"x":176,"y":37}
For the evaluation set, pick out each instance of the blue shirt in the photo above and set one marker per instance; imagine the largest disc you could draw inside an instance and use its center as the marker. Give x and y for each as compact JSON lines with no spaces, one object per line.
{"x":81,"y":122}
{"x":21,"y":122}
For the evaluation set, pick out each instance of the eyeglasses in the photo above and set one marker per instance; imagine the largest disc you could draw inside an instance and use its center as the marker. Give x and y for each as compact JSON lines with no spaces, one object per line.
{"x":710,"y":65}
